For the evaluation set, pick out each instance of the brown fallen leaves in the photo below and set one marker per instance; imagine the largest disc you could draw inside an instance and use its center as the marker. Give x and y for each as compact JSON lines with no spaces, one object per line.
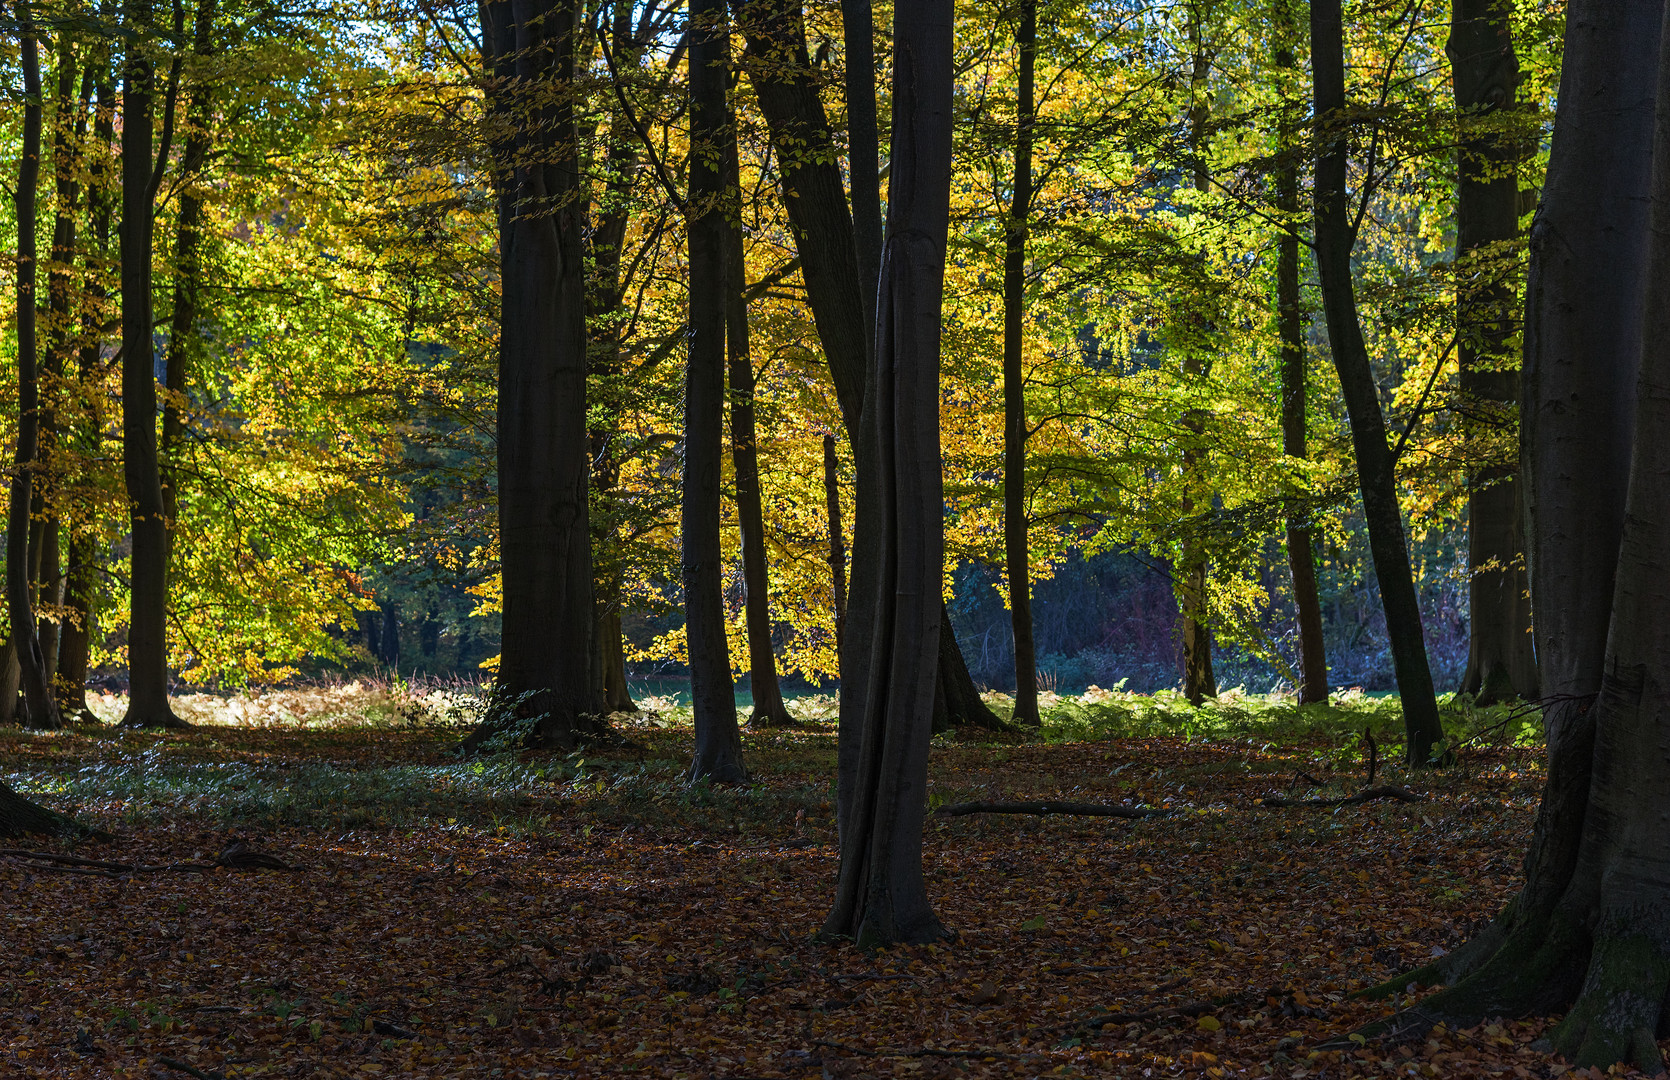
{"x":591,"y":938}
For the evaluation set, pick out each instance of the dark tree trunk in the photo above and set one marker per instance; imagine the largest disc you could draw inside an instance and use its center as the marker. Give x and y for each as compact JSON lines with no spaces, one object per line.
{"x":837,"y":539}
{"x":1290,"y":320}
{"x":19,"y":817}
{"x":1485,"y":71}
{"x":712,"y":693}
{"x":544,"y":678}
{"x":40,"y":703}
{"x":1016,"y":548}
{"x":49,"y":593}
{"x":389,"y":655}
{"x":831,"y":247}
{"x":1583,"y":932}
{"x":881,"y":896}
{"x":148,"y":588}
{"x":1376,"y":469}
{"x":11,"y":678}
{"x":75,"y":637}
{"x":769,"y":710}
{"x":188,"y":275}
{"x":1199,"y":681}
{"x":858,"y":30}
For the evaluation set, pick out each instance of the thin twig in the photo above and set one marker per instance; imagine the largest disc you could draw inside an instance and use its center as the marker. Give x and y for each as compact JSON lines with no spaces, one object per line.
{"x":1074,"y":808}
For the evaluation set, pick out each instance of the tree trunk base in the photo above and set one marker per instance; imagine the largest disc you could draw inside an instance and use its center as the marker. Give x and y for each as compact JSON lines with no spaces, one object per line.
{"x":20,"y":817}
{"x":164,"y":718}
{"x":772,"y":718}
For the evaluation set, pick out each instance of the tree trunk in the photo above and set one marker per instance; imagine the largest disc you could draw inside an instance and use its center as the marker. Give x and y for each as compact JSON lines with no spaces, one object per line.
{"x":617,"y":697}
{"x":39,"y":701}
{"x":188,"y":274}
{"x":1290,"y":320}
{"x":148,"y":585}
{"x":1016,"y":548}
{"x":11,"y":678}
{"x":881,"y":896}
{"x":712,"y":693}
{"x":389,"y":655}
{"x":837,"y":540}
{"x":544,"y":685}
{"x":19,"y":817}
{"x":1580,"y":933}
{"x":1485,"y":72}
{"x":75,"y":636}
{"x":831,"y":246}
{"x":1376,"y":469}
{"x":769,"y":710}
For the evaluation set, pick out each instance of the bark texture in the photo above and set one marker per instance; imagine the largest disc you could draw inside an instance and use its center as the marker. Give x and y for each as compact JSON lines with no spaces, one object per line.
{"x":1016,"y":547}
{"x":837,"y":539}
{"x":40,"y":704}
{"x":1376,"y":469}
{"x":712,"y":693}
{"x":1500,"y":662}
{"x":148,"y":608}
{"x":544,"y":681}
{"x":20,"y":817}
{"x":881,"y":895}
{"x":1586,"y":934}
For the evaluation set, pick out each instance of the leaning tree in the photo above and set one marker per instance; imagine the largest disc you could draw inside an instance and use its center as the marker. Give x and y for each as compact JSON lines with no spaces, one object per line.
{"x":1588,"y":933}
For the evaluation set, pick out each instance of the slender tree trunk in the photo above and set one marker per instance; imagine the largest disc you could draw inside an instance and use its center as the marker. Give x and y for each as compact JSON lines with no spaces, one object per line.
{"x":1290,"y":320}
{"x":1376,"y":468}
{"x":712,"y":693}
{"x":837,"y":540}
{"x":545,"y":677}
{"x":769,"y":710}
{"x":881,"y":896}
{"x":1016,"y":546}
{"x":1558,"y":942}
{"x":11,"y":678}
{"x":39,"y":700}
{"x":858,"y":32}
{"x":75,"y":636}
{"x":1500,"y":662}
{"x":148,"y":583}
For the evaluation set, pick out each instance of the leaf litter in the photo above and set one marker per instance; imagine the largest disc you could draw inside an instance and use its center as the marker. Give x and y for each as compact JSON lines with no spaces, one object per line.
{"x":588,"y":915}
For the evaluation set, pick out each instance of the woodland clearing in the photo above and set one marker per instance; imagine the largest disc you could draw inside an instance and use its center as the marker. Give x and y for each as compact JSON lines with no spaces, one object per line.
{"x":590,"y":914}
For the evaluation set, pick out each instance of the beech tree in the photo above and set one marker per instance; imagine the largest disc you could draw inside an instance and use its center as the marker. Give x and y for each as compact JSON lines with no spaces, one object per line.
{"x":1583,"y":934}
{"x":881,"y":895}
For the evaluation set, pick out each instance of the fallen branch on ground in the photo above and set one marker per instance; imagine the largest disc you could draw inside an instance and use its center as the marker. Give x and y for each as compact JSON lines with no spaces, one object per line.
{"x":1079,"y":809}
{"x":1363,"y":796}
{"x":236,"y":856}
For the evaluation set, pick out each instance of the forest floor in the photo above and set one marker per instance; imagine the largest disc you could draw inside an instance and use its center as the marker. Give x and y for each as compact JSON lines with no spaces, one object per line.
{"x":529,"y":915}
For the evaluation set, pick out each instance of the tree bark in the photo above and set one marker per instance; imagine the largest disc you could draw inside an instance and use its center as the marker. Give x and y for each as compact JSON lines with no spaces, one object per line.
{"x":712,"y":693}
{"x":1290,"y":320}
{"x":831,"y":246}
{"x":11,"y":678}
{"x":881,"y":896}
{"x":39,"y":701}
{"x":1016,"y":546}
{"x":20,"y":817}
{"x":148,"y":583}
{"x":837,"y":540}
{"x":544,"y":680}
{"x":1485,"y":73}
{"x":75,"y":637}
{"x":1376,"y":469}
{"x":1581,"y":934}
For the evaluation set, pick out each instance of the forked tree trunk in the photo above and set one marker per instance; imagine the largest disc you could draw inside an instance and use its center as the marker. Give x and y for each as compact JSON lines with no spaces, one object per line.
{"x":1485,"y":71}
{"x":712,"y":693}
{"x":881,"y":895}
{"x":1290,"y":323}
{"x":769,"y":710}
{"x":1016,"y":542}
{"x":1585,"y":933}
{"x":1376,"y":469}
{"x":544,"y":679}
{"x":39,"y":701}
{"x":148,"y":585}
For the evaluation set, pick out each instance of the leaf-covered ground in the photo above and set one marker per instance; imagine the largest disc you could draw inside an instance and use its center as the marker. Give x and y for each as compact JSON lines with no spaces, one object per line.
{"x":589,"y":915}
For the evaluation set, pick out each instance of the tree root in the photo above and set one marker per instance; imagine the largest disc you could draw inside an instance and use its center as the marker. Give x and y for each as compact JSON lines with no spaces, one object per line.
{"x":1073,"y":808}
{"x":1363,"y":796}
{"x":236,"y":856}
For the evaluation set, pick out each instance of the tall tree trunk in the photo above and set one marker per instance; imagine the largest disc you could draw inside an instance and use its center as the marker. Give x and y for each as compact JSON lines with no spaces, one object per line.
{"x":831,"y":246}
{"x":11,"y":678}
{"x":75,"y":636}
{"x":769,"y":710}
{"x":1586,"y":299}
{"x":837,"y":539}
{"x":1290,"y":321}
{"x":544,"y":679}
{"x":1016,"y":547}
{"x":1485,"y":72}
{"x":1376,"y":469}
{"x":148,"y":582}
{"x":1199,"y":681}
{"x":881,"y":896}
{"x":188,"y":274}
{"x":712,"y":693}
{"x":39,"y":700}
